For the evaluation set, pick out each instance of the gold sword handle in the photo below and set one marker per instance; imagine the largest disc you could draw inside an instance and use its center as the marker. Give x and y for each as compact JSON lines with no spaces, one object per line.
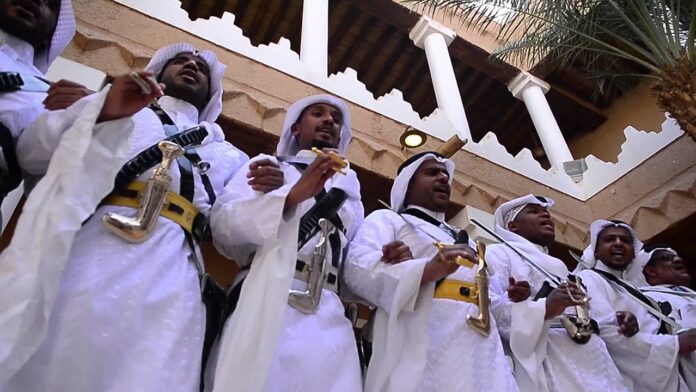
{"x":482,"y":322}
{"x":340,"y":163}
{"x":170,"y":152}
{"x":459,"y":260}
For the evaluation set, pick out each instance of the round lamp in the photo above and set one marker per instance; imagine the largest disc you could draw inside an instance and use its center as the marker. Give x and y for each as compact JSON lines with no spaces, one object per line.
{"x":412,"y":138}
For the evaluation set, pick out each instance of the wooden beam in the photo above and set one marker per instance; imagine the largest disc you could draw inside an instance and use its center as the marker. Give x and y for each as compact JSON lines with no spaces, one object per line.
{"x":269,"y":28}
{"x":385,"y":32}
{"x":388,"y":75}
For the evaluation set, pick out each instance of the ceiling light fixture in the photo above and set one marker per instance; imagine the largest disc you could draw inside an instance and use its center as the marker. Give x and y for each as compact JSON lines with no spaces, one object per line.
{"x":412,"y":138}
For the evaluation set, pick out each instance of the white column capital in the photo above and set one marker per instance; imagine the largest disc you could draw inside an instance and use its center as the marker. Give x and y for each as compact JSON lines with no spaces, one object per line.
{"x":427,"y":26}
{"x":522,"y":81}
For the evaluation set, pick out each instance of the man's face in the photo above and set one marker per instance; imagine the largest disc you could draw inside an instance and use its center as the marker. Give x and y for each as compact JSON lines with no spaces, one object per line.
{"x":615,"y":247}
{"x":319,"y":126}
{"x":429,"y":187}
{"x":32,"y":21}
{"x":534,"y":223}
{"x":670,"y":271}
{"x":187,"y":77}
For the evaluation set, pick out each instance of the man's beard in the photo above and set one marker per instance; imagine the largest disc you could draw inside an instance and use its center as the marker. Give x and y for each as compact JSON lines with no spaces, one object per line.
{"x":321,"y":144}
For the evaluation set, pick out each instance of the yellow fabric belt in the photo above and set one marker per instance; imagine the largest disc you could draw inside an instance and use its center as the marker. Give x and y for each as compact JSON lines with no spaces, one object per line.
{"x":176,"y":208}
{"x":457,"y":290}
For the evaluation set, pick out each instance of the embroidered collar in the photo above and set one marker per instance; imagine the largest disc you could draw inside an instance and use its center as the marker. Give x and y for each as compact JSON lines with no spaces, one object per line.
{"x":439,"y":216}
{"x":21,"y":50}
{"x":603,"y":267}
{"x":178,"y":108}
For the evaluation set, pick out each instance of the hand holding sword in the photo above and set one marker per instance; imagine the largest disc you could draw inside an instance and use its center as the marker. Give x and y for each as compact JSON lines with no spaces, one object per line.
{"x":340,"y":162}
{"x":448,"y":258}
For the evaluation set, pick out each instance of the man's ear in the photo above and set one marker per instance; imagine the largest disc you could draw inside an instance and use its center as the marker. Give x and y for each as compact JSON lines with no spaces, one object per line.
{"x":295,"y":129}
{"x":650,"y":272}
{"x":512,"y":227}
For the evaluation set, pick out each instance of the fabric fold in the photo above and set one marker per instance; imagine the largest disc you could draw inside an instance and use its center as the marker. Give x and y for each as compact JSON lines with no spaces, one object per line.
{"x":78,"y":178}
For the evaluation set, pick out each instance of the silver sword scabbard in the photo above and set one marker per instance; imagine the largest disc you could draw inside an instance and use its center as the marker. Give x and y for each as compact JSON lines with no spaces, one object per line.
{"x":308,"y":301}
{"x":137,"y":229}
{"x":579,"y":325}
{"x":482,"y":322}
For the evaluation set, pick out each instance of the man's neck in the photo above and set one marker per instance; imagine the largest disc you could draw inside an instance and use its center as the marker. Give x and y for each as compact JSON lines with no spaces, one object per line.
{"x":181,"y":106}
{"x":440,"y":216}
{"x":603,"y":267}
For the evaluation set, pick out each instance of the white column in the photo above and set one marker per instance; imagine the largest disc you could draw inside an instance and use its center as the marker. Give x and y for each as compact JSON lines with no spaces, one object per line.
{"x":435,"y":38}
{"x":531,"y":90}
{"x":315,"y":36}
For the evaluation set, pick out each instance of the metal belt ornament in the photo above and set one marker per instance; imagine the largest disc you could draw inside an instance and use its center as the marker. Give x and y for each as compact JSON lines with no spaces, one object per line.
{"x":137,"y":229}
{"x":307,"y":301}
{"x":480,"y":323}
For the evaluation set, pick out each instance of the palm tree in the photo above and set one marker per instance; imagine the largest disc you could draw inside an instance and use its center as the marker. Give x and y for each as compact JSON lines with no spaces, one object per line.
{"x":615,"y":41}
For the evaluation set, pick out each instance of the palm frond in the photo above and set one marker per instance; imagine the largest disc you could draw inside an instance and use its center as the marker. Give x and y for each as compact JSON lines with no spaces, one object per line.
{"x":649,"y":33}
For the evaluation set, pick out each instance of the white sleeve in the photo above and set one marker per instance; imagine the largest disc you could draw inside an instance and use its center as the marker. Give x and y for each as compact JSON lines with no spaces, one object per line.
{"x":242,"y":217}
{"x":500,"y":302}
{"x":377,"y":281}
{"x":39,"y":140}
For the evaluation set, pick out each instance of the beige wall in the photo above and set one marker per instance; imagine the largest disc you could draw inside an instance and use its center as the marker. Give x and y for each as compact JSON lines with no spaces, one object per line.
{"x":636,"y":108}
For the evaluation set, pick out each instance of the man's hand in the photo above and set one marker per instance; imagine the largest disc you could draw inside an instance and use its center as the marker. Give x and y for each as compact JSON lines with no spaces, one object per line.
{"x":443,"y":264}
{"x":64,"y":93}
{"x":265,"y":176}
{"x":126,"y":98}
{"x":312,"y":181}
{"x":559,"y":299}
{"x":396,"y":252}
{"x":518,"y":291}
{"x":687,"y":341}
{"x":628,"y":323}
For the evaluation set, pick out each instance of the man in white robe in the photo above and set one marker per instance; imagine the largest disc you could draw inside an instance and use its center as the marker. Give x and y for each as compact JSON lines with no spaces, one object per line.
{"x":612,"y":273}
{"x":32,"y":35}
{"x":295,"y":350}
{"x":128,"y":316}
{"x":546,"y":358}
{"x":422,"y":341}
{"x":668,"y":282}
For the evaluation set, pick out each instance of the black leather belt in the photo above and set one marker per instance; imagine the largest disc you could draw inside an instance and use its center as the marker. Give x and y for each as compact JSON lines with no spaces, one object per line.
{"x":14,"y":81}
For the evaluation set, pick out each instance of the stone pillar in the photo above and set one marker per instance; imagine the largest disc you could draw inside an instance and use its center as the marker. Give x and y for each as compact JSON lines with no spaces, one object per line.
{"x":315,"y":36}
{"x":434,"y":38}
{"x":531,"y":90}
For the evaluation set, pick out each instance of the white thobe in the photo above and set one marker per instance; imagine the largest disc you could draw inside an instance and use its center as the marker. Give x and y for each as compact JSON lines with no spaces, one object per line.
{"x":682,"y":299}
{"x":128,"y":317}
{"x":683,"y":302}
{"x":647,"y":361}
{"x":312,"y":352}
{"x":546,"y":359}
{"x":18,"y":108}
{"x":420,"y":343}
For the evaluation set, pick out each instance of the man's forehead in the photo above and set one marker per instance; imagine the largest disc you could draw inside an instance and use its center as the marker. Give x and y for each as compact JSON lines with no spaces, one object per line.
{"x":190,"y":55}
{"x":323,"y":105}
{"x":615,"y":231}
{"x":533,"y":206}
{"x":430,"y":163}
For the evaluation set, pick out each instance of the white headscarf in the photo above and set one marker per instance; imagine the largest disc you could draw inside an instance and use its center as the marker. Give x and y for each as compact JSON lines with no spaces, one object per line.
{"x":400,"y":186}
{"x":506,"y":213}
{"x":62,"y":35}
{"x":216,"y":69}
{"x":645,"y":256}
{"x":287,"y":145}
{"x":634,"y":272}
